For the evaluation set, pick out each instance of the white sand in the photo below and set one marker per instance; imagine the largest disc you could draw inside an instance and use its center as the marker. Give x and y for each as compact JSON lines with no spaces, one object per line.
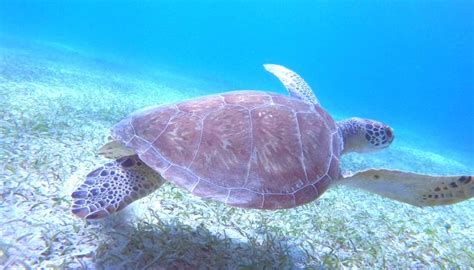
{"x":56,"y":107}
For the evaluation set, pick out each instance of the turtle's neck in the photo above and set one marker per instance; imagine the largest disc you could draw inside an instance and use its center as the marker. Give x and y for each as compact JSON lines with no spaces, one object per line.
{"x":350,"y":132}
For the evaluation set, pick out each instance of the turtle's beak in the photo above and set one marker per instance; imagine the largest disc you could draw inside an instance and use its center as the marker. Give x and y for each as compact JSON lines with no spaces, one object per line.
{"x":390,"y":134}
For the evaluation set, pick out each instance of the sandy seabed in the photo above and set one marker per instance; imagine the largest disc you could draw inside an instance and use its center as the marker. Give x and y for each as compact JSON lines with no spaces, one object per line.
{"x":56,"y":107}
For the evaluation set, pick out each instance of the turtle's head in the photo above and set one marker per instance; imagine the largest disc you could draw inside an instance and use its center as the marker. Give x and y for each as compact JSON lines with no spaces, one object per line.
{"x":364,"y":135}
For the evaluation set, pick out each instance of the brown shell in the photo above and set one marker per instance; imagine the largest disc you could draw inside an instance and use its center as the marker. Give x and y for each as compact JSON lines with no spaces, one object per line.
{"x":247,"y":148}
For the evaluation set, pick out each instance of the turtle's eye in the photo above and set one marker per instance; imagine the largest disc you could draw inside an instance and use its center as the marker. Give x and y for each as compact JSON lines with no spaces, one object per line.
{"x":386,"y":136}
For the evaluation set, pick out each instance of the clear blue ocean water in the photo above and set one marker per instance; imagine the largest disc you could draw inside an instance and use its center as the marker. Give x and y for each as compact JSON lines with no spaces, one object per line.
{"x":407,"y":63}
{"x":71,"y":69}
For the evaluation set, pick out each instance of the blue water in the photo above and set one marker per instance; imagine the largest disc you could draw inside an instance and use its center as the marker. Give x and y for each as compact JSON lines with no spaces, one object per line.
{"x":409,"y":64}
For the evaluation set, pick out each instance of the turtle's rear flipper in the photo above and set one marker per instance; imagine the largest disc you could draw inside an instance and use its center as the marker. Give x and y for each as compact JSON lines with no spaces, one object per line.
{"x":415,"y":189}
{"x":110,"y":188}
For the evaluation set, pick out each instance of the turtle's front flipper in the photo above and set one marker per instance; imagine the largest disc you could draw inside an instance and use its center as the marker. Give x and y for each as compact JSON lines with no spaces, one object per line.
{"x":110,"y":188}
{"x":295,"y":85}
{"x":415,"y":189}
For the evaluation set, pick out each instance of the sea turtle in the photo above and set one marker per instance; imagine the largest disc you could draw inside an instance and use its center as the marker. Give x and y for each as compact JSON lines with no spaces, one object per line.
{"x":249,"y":149}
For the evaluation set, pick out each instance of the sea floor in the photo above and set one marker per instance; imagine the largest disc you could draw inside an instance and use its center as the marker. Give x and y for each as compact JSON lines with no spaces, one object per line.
{"x":56,"y":106}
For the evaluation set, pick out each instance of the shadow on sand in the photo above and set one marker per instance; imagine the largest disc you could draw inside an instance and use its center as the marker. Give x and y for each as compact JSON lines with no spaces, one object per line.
{"x":155,"y":244}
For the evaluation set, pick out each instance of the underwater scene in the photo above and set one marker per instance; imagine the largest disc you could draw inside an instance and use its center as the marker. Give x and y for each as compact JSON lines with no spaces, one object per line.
{"x":236,"y":134}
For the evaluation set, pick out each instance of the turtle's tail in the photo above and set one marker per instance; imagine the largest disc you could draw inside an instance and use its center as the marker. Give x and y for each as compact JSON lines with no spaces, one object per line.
{"x":113,"y":186}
